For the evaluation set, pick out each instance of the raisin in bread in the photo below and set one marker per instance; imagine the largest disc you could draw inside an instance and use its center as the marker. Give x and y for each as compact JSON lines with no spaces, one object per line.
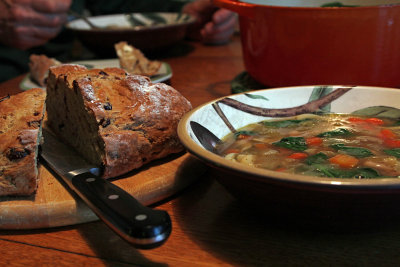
{"x":114,"y":119}
{"x":21,"y":118}
{"x":39,"y":68}
{"x":133,"y":61}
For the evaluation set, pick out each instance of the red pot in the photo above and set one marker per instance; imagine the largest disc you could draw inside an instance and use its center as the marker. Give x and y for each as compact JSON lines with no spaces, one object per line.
{"x":286,"y":46}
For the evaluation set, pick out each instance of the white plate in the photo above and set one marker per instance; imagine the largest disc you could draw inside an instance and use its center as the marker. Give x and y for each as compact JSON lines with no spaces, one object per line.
{"x":163,"y":74}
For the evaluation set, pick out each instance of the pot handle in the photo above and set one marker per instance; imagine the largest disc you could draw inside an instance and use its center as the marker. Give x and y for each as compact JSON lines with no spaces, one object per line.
{"x":243,"y":9}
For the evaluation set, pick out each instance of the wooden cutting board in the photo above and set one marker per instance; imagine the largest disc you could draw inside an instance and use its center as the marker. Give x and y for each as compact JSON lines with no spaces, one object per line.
{"x":54,"y":205}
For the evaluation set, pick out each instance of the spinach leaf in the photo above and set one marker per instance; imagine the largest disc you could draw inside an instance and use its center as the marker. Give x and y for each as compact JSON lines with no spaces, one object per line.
{"x":358,"y":152}
{"x":336,"y":132}
{"x":365,"y":173}
{"x":316,"y":159}
{"x":334,"y":172}
{"x":294,"y":143}
{"x":283,"y":123}
{"x":393,"y":152}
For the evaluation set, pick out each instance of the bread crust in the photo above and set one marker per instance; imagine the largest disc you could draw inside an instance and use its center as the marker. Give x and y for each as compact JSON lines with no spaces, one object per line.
{"x":39,"y":67}
{"x":115,"y":119}
{"x":20,"y":132}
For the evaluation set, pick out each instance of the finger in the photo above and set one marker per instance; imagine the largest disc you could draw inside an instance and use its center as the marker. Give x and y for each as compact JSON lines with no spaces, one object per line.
{"x":222,"y":15}
{"x":45,"y":33}
{"x":28,"y":36}
{"x":227,"y":26}
{"x":26,"y":42}
{"x":45,"y":6}
{"x":216,"y":35}
{"x":26,"y":15}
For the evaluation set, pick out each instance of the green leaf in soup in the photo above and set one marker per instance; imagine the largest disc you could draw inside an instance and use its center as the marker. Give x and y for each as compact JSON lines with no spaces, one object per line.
{"x":283,"y":123}
{"x":365,"y":173}
{"x":358,"y":152}
{"x":316,"y":159}
{"x":326,"y":170}
{"x":379,"y":111}
{"x":336,"y":132}
{"x":362,"y":173}
{"x":256,"y":96}
{"x":393,"y":152}
{"x":293,"y":143}
{"x":323,"y":170}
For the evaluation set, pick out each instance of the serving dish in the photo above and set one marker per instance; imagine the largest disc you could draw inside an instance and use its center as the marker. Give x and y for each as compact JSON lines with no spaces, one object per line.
{"x":148,"y":32}
{"x":290,"y":43}
{"x":290,"y":192}
{"x":164,"y":73}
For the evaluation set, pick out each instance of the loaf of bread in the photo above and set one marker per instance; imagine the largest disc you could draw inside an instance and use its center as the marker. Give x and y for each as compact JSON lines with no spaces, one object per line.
{"x":114,"y":119}
{"x":21,"y":118}
{"x":39,"y":68}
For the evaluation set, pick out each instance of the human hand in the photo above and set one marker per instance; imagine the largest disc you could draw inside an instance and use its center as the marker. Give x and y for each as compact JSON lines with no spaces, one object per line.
{"x":28,"y":23}
{"x":214,"y":25}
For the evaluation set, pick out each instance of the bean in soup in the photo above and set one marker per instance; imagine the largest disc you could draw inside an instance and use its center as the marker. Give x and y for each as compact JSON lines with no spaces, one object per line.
{"x":332,"y":145}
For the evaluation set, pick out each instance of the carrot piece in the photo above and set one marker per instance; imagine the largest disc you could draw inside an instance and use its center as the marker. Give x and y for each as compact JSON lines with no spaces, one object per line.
{"x":314,"y":141}
{"x":298,"y":155}
{"x":374,"y":121}
{"x":392,"y":143}
{"x":243,"y":136}
{"x":232,"y":150}
{"x":280,"y":169}
{"x":261,"y":145}
{"x":355,"y":119}
{"x":387,"y":133}
{"x":344,"y":160}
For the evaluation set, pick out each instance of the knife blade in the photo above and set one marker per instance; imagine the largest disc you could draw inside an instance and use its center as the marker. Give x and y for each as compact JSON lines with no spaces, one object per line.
{"x":141,"y":226}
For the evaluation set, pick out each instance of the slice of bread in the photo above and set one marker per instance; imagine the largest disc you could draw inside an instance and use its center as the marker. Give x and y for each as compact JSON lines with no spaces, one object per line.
{"x":21,"y":119}
{"x":114,"y":119}
{"x":134,"y":61}
{"x":39,"y":68}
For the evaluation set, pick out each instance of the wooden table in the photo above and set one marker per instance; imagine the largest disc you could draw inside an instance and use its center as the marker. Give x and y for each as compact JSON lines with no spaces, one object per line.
{"x":210,"y":227}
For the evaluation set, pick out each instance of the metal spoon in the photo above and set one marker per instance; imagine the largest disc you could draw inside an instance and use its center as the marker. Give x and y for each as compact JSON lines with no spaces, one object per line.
{"x":206,"y":138}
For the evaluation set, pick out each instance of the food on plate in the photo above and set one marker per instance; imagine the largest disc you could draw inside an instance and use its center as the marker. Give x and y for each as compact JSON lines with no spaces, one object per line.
{"x":39,"y":68}
{"x":20,"y":132}
{"x":134,"y":61}
{"x":330,"y":145}
{"x":114,"y":119}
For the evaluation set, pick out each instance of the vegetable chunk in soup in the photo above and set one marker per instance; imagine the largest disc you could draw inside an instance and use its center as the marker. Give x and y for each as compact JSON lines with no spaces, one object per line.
{"x":332,"y":145}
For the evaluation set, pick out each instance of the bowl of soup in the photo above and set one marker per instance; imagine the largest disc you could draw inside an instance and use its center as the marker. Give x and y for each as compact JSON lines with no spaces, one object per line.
{"x":322,"y":150}
{"x":151,"y":32}
{"x":301,"y":42}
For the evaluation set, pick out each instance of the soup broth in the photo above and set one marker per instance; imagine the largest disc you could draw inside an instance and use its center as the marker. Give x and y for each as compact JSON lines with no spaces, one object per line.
{"x":332,"y":145}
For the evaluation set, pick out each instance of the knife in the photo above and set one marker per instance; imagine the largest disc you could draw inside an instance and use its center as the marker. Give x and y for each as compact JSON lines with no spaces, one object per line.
{"x":141,"y":226}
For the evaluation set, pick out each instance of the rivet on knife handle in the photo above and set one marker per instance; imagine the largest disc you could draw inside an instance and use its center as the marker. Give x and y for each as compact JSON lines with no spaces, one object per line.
{"x":141,"y":226}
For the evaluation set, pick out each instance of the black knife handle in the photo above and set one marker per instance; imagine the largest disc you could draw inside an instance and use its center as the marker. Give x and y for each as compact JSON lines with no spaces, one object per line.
{"x":141,"y":226}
